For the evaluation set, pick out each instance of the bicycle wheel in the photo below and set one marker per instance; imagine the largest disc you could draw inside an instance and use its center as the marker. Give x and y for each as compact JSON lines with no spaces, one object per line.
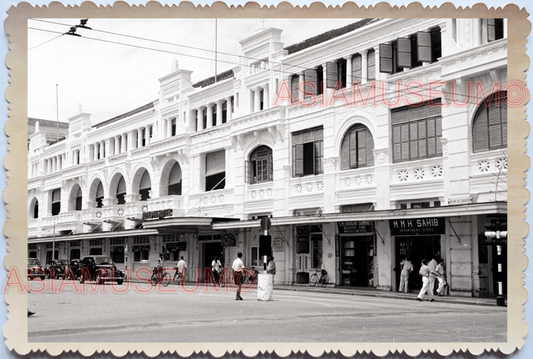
{"x":165,"y":280}
{"x":324,"y":279}
{"x":313,"y":279}
{"x":154,"y":279}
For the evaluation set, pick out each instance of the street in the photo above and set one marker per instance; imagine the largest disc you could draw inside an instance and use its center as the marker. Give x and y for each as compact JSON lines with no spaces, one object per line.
{"x":293,"y":316}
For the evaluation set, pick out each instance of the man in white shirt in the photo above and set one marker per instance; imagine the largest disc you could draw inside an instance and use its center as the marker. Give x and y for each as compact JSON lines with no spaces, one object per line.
{"x":238,"y":267}
{"x":216,"y":267}
{"x":181,"y":271}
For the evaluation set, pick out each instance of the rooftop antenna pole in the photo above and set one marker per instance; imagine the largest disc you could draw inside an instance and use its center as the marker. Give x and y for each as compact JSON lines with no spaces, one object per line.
{"x":216,"y":40}
{"x":57,"y":116}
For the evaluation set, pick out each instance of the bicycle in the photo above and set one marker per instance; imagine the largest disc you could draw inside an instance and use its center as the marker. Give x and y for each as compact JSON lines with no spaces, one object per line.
{"x":314,"y":279}
{"x":159,"y":275}
{"x":179,"y":274}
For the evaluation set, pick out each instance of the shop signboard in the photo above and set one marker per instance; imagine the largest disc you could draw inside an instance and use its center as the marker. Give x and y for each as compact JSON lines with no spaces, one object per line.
{"x":417,"y":226}
{"x":160,"y":214}
{"x":229,"y":240}
{"x":277,"y":245}
{"x":350,"y":227}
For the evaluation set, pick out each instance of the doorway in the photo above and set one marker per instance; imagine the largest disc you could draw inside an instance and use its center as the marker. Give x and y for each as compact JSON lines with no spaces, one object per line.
{"x":210,"y":250}
{"x":357,"y":261}
{"x":415,"y":248}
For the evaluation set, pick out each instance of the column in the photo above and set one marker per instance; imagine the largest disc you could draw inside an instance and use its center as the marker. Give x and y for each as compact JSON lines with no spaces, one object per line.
{"x":47,"y":166}
{"x":228,"y":107}
{"x":108,"y":147}
{"x":200,"y":119}
{"x":376,"y":63}
{"x":219,"y":112}
{"x":117,"y":145}
{"x":102,"y":149}
{"x":209,"y":115}
{"x":54,"y":164}
{"x":139,"y":137}
{"x":123,"y":143}
{"x":326,"y":94}
{"x":130,"y":140}
{"x":266,"y":96}
{"x":168,"y":123}
{"x":147,"y":134}
{"x":349,"y":71}
{"x":301,"y":79}
{"x":364,"y":66}
{"x":257,"y":99}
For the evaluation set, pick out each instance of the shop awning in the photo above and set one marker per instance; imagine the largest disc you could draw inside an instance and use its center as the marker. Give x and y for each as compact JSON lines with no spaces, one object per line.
{"x":106,"y":234}
{"x":445,"y":211}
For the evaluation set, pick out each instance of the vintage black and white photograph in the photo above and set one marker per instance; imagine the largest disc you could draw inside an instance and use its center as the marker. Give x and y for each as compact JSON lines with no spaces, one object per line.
{"x":268,"y":180}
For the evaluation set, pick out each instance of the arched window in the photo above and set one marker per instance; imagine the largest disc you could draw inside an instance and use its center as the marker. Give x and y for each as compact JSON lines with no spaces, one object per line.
{"x":357,"y":148}
{"x":78,"y":199}
{"x":121,"y":191}
{"x":145,"y":186}
{"x":99,"y":196}
{"x":489,"y":130}
{"x":35,"y":208}
{"x":174,"y":180}
{"x":259,"y":167}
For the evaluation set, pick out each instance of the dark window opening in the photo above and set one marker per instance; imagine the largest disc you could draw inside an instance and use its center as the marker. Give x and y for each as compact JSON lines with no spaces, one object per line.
{"x":225,"y":112}
{"x":145,"y":194}
{"x":295,"y":81}
{"x":141,"y":253}
{"x":143,"y":138}
{"x":215,"y":170}
{"x":121,"y":198}
{"x":56,"y":202}
{"x":36,"y":210}
{"x":215,"y":181}
{"x":319,"y":80}
{"x":307,"y":152}
{"x":494,"y":29}
{"x":174,"y":189}
{"x":78,"y":203}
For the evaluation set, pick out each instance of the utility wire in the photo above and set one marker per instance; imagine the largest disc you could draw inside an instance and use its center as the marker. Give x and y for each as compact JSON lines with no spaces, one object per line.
{"x":46,"y":42}
{"x":284,"y":72}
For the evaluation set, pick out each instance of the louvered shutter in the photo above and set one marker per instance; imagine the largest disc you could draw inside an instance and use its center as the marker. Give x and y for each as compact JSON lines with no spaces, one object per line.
{"x":356,"y":68}
{"x":353,"y":149}
{"x":269,"y":164}
{"x":247,"y":172}
{"x":298,"y":159}
{"x":438,"y":125}
{"x":413,"y":140}
{"x":332,"y":74}
{"x":495,"y":132}
{"x":504,"y":123}
{"x":385,"y":58}
{"x":311,"y":84}
{"x":491,"y":30}
{"x":480,"y":131}
{"x":397,"y":143}
{"x":371,"y":65}
{"x":361,"y":148}
{"x":405,"y":142}
{"x":423,"y":46}
{"x":432,"y":145}
{"x":317,"y":156}
{"x":369,"y":149}
{"x":422,"y":140}
{"x":404,"y":52}
{"x":345,"y":152}
{"x":295,"y":81}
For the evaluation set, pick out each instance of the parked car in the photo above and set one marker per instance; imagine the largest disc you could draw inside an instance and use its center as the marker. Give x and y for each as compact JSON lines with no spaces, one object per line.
{"x":100,"y":269}
{"x":75,"y":266}
{"x":35,"y":270}
{"x":56,"y":269}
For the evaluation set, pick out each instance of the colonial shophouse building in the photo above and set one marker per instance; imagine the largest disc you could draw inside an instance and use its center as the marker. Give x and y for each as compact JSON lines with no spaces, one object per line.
{"x":409,"y":161}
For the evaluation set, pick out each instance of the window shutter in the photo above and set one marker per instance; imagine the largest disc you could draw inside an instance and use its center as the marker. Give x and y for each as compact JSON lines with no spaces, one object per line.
{"x":298,"y":159}
{"x":400,"y":116}
{"x":345,"y":152}
{"x":175,"y":174}
{"x":432,"y":146}
{"x":332,"y":74}
{"x":438,"y":130}
{"x":317,"y":157}
{"x":310,"y":77}
{"x":247,"y":170}
{"x":371,"y":65}
{"x":405,"y":142}
{"x":269,"y":164}
{"x":404,"y":52}
{"x":491,"y":30}
{"x":397,"y":141}
{"x":422,"y":141}
{"x":121,"y":187}
{"x":423,"y":46}
{"x":369,"y":149}
{"x":356,"y":68}
{"x":145,"y":181}
{"x":295,"y":81}
{"x":342,"y":65}
{"x":480,"y":131}
{"x":504,"y":123}
{"x":353,"y":149}
{"x":56,"y":195}
{"x":99,"y":190}
{"x":413,"y":140}
{"x":215,"y":162}
{"x":385,"y":58}
{"x":361,"y":148}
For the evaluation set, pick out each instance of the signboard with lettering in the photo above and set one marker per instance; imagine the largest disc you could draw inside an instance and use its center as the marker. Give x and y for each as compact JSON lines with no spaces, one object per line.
{"x":355,"y":227}
{"x":302,"y":233}
{"x":277,"y":245}
{"x":417,"y":226}
{"x":160,"y":214}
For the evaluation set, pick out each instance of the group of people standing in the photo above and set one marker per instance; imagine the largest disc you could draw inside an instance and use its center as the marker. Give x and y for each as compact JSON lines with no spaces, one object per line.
{"x":429,"y":271}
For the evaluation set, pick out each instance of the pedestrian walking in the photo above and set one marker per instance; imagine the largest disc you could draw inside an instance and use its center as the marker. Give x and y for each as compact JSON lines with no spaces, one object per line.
{"x":181,"y":271}
{"x":442,"y":281}
{"x":424,"y":272}
{"x":238,"y":267}
{"x":432,"y":273}
{"x":271,"y":268}
{"x":407,"y":268}
{"x":216,"y":268}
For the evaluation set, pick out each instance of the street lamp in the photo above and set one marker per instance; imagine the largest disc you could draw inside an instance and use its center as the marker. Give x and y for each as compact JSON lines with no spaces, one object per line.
{"x":499,"y":239}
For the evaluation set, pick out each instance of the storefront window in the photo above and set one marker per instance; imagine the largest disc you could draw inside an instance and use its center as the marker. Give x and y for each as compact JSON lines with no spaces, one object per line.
{"x":316,"y":251}
{"x":141,"y":253}
{"x":117,"y":254}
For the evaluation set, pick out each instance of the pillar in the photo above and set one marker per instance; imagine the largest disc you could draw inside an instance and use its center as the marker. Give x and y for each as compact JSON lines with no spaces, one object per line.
{"x":108,"y":147}
{"x":349,"y":71}
{"x":229,"y":110}
{"x":364,"y":66}
{"x":257,"y":99}
{"x":199,"y":119}
{"x":117,"y":145}
{"x":266,"y":96}
{"x":209,"y":115}
{"x":219,"y":112}
{"x":123,"y":143}
{"x":139,"y":137}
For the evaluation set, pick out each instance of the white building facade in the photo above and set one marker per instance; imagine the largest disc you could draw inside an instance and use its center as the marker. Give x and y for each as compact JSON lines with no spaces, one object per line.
{"x":383,"y":139}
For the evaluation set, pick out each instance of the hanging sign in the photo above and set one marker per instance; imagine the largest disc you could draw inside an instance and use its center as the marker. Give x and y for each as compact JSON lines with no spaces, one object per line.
{"x":417,"y":226}
{"x":355,"y":227}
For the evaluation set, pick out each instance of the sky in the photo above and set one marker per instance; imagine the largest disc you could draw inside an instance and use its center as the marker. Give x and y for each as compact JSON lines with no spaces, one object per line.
{"x":98,"y":72}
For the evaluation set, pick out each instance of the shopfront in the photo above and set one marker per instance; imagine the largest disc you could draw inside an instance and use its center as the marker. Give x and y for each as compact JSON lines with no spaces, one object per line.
{"x":416,"y":239}
{"x":357,"y":253}
{"x":309,"y":251}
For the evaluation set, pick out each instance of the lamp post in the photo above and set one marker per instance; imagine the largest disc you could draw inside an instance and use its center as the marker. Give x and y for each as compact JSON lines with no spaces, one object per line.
{"x":498,"y":236}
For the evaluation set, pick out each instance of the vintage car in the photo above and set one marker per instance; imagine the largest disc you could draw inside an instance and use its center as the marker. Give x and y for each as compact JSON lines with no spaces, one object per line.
{"x":74,"y":266}
{"x":57,"y":268}
{"x":100,"y":269}
{"x":35,"y":270}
